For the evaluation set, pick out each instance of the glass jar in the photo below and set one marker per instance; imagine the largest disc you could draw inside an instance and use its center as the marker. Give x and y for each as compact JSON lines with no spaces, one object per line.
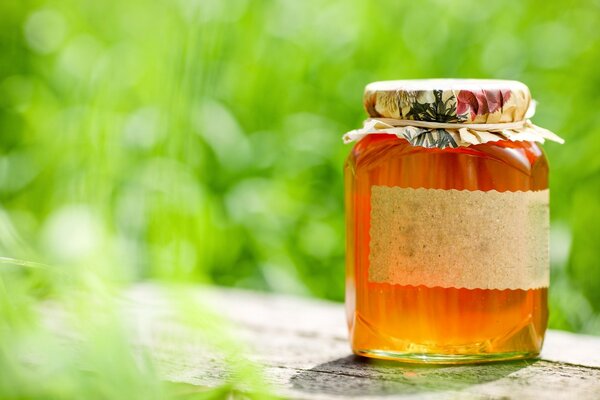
{"x":447,"y":223}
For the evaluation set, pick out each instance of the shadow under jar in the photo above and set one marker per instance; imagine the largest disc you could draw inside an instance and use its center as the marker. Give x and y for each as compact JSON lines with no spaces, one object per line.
{"x":447,"y":228}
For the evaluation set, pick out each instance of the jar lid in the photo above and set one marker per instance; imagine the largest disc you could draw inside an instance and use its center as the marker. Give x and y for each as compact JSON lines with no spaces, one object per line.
{"x":449,"y":100}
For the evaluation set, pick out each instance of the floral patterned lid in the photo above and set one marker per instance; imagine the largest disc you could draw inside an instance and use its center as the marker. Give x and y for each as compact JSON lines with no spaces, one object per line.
{"x":479,"y":101}
{"x":450,"y":112}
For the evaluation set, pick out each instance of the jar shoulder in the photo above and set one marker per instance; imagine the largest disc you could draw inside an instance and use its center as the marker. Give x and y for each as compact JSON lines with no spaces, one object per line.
{"x":382,"y":148}
{"x":502,"y":165}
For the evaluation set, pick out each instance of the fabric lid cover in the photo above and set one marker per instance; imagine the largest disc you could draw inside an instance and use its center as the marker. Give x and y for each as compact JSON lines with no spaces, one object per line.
{"x":471,"y":101}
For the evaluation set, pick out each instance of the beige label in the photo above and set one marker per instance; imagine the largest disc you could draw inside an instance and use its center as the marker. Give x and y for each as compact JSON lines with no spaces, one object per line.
{"x":460,"y":239}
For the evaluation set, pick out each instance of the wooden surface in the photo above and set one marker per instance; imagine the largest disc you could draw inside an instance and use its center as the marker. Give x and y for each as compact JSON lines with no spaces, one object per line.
{"x":302,"y":345}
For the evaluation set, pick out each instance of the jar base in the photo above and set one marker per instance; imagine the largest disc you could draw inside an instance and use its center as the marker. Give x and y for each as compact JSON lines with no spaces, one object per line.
{"x":444,"y":359}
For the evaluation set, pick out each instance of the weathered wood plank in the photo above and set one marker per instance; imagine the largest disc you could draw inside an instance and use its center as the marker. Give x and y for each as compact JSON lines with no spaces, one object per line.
{"x":303,"y":347}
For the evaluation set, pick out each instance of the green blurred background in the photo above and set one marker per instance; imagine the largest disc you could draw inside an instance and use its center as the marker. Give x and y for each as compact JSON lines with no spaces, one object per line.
{"x":200,"y":141}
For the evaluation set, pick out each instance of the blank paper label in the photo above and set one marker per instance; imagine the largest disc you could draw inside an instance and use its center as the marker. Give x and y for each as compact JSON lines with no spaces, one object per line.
{"x":459,"y":238}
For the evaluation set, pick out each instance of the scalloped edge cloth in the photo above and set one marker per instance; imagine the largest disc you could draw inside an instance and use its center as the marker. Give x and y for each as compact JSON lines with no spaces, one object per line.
{"x":451,"y":112}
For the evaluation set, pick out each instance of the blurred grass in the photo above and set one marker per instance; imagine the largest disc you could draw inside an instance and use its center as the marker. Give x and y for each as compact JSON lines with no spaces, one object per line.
{"x":199,"y":141}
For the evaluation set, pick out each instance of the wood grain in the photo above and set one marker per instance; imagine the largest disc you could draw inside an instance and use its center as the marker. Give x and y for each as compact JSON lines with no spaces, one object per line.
{"x":302,"y":347}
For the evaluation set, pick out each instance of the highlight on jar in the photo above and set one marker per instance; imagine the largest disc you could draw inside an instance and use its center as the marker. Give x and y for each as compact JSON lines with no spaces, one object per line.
{"x":447,"y":219}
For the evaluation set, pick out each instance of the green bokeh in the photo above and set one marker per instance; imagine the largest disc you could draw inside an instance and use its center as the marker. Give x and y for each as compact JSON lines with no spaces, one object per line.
{"x":200,"y":141}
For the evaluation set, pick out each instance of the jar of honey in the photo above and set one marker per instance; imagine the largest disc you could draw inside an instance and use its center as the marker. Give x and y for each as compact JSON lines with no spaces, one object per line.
{"x":447,"y":223}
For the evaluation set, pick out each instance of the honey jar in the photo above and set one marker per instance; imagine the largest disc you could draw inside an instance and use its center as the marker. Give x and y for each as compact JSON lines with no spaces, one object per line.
{"x":447,"y":215}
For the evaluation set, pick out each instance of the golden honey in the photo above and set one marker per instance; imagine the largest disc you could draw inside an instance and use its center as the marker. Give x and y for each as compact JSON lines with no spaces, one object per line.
{"x":443,"y":324}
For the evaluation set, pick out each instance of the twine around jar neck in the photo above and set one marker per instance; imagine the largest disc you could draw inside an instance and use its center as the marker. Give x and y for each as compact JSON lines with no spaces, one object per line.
{"x":461,"y":134}
{"x":447,"y":125}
